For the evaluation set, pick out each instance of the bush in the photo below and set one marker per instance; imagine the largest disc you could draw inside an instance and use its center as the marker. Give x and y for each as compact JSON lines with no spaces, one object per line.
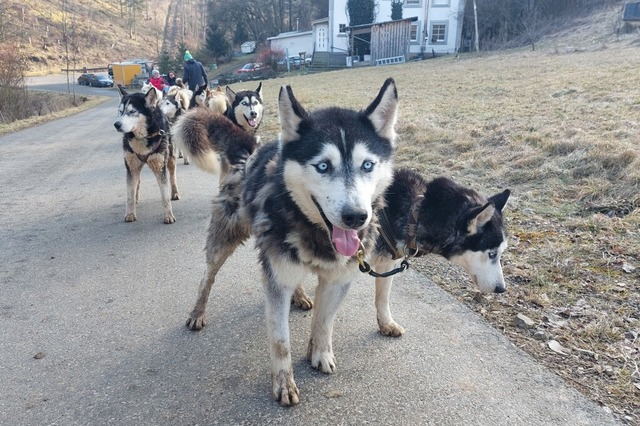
{"x":13,"y":93}
{"x":270,"y":57}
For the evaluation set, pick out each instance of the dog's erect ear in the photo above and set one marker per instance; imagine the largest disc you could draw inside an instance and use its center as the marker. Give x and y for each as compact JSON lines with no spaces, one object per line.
{"x":259,"y":90}
{"x":121,"y":91}
{"x":231,"y":95}
{"x":383,"y":111}
{"x":151,"y":98}
{"x":477,"y":217}
{"x":500,"y":200}
{"x":219,"y":89}
{"x":291,"y":114}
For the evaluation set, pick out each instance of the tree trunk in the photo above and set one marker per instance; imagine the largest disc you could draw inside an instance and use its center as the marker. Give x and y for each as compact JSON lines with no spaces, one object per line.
{"x":475,"y":18}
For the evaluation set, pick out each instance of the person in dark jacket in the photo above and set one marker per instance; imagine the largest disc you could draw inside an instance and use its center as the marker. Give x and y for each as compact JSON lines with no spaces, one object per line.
{"x":194,"y":74}
{"x":171,"y":78}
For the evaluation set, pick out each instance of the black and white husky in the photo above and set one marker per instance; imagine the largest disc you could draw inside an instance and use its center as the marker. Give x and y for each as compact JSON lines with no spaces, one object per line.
{"x":146,"y":140}
{"x":440,"y":217}
{"x":310,"y":200}
{"x":204,"y":135}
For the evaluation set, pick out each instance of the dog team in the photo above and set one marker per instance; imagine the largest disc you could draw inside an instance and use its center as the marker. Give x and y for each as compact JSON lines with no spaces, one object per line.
{"x":324,"y":198}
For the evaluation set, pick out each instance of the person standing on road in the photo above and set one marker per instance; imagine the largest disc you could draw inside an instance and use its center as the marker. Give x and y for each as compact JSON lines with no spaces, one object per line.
{"x":194,"y":74}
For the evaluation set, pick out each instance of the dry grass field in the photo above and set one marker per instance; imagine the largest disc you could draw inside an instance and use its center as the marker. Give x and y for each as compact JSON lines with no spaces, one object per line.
{"x":560,"y":127}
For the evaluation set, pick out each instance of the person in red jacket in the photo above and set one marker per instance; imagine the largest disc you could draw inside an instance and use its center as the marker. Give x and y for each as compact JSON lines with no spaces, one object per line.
{"x":158,"y":82}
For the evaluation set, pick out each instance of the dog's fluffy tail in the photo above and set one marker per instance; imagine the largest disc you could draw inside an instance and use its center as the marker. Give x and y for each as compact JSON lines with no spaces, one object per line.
{"x":213,"y":142}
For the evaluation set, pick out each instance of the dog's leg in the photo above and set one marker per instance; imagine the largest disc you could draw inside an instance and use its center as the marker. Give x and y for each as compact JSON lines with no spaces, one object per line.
{"x":388,"y":327}
{"x":173,"y":178}
{"x":278,"y":289}
{"x":218,"y":250}
{"x":228,"y":229}
{"x":301,"y":300}
{"x":133,"y":166}
{"x":186,"y":159}
{"x":329,"y":296}
{"x":158,"y":165}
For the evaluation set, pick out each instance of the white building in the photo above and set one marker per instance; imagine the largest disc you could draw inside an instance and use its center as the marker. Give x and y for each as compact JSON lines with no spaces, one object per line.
{"x":437,"y":29}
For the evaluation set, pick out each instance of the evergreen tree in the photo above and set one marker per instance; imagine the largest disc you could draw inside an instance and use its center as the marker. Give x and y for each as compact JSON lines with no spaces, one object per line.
{"x":396,"y":9}
{"x":217,"y":43}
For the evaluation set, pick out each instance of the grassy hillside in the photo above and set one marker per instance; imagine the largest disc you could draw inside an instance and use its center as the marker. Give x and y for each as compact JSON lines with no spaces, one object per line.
{"x":97,"y":30}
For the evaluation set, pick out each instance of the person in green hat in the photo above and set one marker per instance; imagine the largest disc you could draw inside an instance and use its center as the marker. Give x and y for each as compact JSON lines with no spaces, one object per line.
{"x":194,"y":74}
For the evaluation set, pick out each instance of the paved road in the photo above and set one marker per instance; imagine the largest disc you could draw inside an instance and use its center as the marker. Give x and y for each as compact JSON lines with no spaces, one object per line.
{"x":92,"y":313}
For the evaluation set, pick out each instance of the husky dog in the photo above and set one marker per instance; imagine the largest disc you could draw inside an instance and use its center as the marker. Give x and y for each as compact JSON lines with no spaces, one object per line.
{"x":439,"y":217}
{"x":146,"y":141}
{"x":148,"y":86}
{"x":173,"y":107}
{"x":217,"y":100}
{"x":246,"y":108}
{"x":310,"y":200}
{"x":194,"y":131}
{"x":199,"y":96}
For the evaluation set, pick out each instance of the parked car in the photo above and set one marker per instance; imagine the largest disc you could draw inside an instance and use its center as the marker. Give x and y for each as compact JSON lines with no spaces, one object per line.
{"x":83,"y":80}
{"x":251,"y":67}
{"x":100,"y":80}
{"x":294,"y":62}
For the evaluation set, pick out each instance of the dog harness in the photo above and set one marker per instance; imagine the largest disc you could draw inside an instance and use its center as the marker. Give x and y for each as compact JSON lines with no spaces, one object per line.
{"x":411,"y":245}
{"x":155,"y":145}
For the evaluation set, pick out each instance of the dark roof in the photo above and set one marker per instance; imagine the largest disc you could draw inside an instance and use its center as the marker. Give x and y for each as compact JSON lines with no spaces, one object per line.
{"x":631,"y":12}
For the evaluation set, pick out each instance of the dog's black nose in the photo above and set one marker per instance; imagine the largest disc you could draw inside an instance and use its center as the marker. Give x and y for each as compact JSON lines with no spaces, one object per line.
{"x":354,"y":218}
{"x":499,"y":289}
{"x":254,"y":114}
{"x":117,"y":125}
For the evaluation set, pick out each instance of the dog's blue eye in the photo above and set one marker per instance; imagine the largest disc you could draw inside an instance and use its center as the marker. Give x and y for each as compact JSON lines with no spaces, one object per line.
{"x":323,"y":167}
{"x":367,"y":166}
{"x":493,"y":254}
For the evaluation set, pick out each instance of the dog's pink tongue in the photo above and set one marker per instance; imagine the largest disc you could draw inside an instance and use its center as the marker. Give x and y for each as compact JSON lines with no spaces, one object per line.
{"x":252,"y":122}
{"x":345,"y":240}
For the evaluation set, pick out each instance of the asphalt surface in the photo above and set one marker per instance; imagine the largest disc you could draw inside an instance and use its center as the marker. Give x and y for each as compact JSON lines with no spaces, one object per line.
{"x":93,"y":311}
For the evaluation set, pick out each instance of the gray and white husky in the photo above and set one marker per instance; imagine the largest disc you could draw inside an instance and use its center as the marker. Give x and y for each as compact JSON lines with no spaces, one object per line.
{"x":310,"y":200}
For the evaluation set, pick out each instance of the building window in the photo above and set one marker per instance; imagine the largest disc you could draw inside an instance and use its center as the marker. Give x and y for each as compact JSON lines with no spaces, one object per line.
{"x":413,"y":35}
{"x":342,"y":28}
{"x":411,"y":2}
{"x":438,"y":33}
{"x":440,"y":3}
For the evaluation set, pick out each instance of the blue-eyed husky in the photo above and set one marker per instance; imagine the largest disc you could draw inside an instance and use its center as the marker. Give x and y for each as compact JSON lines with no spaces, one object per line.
{"x":439,"y":217}
{"x":310,"y":200}
{"x":146,"y":140}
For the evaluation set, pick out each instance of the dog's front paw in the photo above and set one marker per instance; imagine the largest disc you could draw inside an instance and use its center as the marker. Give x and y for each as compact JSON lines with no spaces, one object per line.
{"x":322,"y":360}
{"x":130,"y":217}
{"x":186,"y":161}
{"x":196,"y":323}
{"x":285,"y":390}
{"x":169,"y":219}
{"x":301,"y":300}
{"x":175,"y":196}
{"x":392,"y":329}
